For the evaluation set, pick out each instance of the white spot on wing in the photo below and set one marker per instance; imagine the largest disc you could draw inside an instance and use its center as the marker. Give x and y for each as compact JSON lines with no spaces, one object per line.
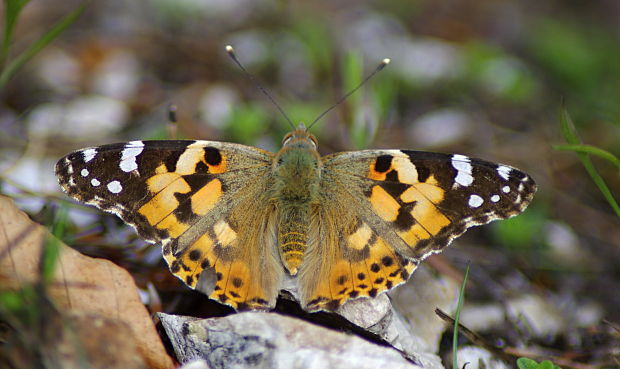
{"x":495,"y":198}
{"x":115,"y":187}
{"x":84,"y":172}
{"x":95,"y":182}
{"x":89,"y":154}
{"x":504,"y":171}
{"x":463,"y":166}
{"x":475,"y":201}
{"x":71,"y":182}
{"x":128,"y":156}
{"x":505,"y":189}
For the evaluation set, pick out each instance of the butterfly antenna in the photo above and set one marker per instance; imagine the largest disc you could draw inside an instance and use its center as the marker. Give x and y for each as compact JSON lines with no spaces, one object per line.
{"x":231,"y":53}
{"x":381,"y":65}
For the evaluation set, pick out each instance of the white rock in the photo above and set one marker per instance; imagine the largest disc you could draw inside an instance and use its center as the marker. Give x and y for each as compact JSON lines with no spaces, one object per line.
{"x":481,"y":318}
{"x":441,"y":127}
{"x":564,"y":244}
{"x":539,"y":316}
{"x":58,"y":69}
{"x":368,"y":313}
{"x":417,"y":299}
{"x":46,"y":119}
{"x":94,"y":116}
{"x":418,"y":329}
{"x":33,"y":174}
{"x":86,"y":118}
{"x":196,"y":364}
{"x":216,"y":105}
{"x":117,"y":75}
{"x":478,"y":358}
{"x":268,"y":340}
{"x":589,"y":314}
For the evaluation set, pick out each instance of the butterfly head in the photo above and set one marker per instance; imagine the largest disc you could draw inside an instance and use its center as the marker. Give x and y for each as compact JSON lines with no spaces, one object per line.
{"x":300,"y":138}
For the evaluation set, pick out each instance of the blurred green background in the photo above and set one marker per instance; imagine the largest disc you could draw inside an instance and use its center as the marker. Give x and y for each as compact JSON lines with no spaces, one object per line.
{"x":485,"y":78}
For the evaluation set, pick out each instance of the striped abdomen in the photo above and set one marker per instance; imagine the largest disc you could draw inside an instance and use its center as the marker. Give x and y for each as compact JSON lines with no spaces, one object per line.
{"x":293,"y":235}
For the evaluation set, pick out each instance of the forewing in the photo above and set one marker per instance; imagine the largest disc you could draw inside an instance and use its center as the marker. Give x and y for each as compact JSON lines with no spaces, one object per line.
{"x":184,"y":195}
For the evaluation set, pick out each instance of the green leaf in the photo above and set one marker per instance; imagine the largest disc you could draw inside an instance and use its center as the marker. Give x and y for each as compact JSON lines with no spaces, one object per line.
{"x":568,"y":128}
{"x":247,"y":122}
{"x":519,"y":232}
{"x":526,"y":363}
{"x":317,"y":41}
{"x":589,"y":149}
{"x":10,"y":301}
{"x":12,"y":8}
{"x":44,"y":40}
{"x":385,"y":89}
{"x":546,"y":365}
{"x":352,"y":76}
{"x":570,"y":135}
{"x":457,"y":315}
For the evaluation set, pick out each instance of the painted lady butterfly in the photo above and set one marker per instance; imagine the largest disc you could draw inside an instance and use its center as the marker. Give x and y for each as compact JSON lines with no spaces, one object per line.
{"x":234,"y":221}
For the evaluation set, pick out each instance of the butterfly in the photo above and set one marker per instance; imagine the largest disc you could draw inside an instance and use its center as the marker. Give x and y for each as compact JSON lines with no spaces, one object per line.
{"x":236,"y":221}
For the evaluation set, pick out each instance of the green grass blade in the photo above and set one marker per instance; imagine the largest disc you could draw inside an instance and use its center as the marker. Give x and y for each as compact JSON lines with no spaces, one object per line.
{"x":593,"y":150}
{"x":12,"y":8}
{"x":457,"y":316}
{"x":51,"y":251}
{"x":32,"y":50}
{"x":570,"y":134}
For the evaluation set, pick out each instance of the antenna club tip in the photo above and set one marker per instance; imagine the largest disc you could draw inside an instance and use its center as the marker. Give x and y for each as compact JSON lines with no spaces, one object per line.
{"x":229,"y":49}
{"x":386,"y":61}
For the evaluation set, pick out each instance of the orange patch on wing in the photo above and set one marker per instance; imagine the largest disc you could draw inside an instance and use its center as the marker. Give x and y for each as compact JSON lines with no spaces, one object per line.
{"x":237,"y":288}
{"x":407,"y":172}
{"x":164,"y":203}
{"x":423,"y":192}
{"x":414,"y":234}
{"x":429,"y":217}
{"x":205,"y":198}
{"x":379,"y":272}
{"x":384,"y":267}
{"x":194,"y":154}
{"x":191,"y":260}
{"x":384,"y":204}
{"x":377,"y":176}
{"x":429,"y":220}
{"x":358,"y":239}
{"x":174,"y":227}
{"x":237,"y":281}
{"x":161,"y":180}
{"x":224,"y":234}
{"x":340,"y":283}
{"x":219,"y":168}
{"x":405,"y":169}
{"x":361,"y":279}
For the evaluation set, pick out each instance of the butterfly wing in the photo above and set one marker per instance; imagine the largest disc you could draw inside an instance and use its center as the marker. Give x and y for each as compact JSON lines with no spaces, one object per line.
{"x":407,"y":205}
{"x":204,"y":201}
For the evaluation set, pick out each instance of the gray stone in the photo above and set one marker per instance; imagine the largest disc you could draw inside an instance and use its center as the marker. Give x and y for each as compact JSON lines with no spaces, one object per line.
{"x":269,"y":340}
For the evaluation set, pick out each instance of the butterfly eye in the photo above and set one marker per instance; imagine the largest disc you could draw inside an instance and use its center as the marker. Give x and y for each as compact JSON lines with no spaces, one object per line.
{"x":314,"y":141}
{"x":287,"y":138}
